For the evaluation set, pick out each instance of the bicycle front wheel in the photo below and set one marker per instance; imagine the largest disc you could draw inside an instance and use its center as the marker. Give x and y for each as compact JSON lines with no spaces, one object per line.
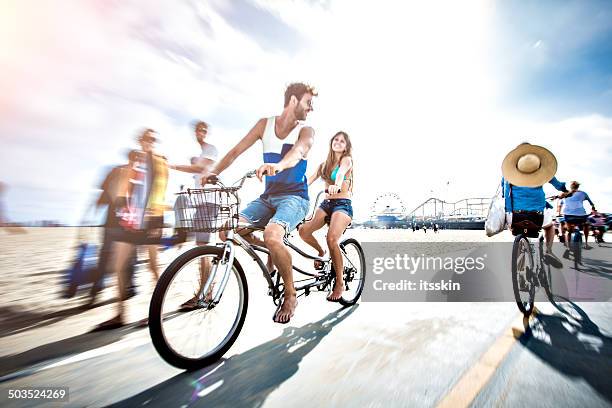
{"x":354,"y":271}
{"x":522,"y":275}
{"x":188,"y":328}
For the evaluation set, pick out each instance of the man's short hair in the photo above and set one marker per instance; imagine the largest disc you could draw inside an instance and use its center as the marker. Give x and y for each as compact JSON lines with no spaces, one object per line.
{"x":133,"y":155}
{"x":298,"y":89}
{"x":147,"y":135}
{"x":198,"y":123}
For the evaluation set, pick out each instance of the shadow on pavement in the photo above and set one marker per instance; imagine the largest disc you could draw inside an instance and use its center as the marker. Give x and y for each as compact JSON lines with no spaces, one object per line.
{"x":597,"y":267}
{"x":16,"y":320}
{"x":63,"y":348}
{"x":573,"y":345}
{"x":245,"y":379}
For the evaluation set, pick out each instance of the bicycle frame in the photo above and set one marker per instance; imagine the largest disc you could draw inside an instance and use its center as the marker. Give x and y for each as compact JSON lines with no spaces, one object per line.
{"x":234,"y":240}
{"x":225,"y":263}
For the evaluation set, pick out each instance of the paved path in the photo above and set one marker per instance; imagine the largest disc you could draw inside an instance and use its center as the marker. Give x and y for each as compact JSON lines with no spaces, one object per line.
{"x":373,"y":354}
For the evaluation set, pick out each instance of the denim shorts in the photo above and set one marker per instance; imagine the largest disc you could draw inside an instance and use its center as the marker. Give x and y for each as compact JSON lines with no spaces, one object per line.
{"x":339,"y":204}
{"x":285,"y":210}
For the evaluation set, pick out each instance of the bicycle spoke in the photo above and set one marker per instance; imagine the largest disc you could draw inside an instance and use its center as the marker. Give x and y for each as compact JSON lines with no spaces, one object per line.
{"x":194,"y":333}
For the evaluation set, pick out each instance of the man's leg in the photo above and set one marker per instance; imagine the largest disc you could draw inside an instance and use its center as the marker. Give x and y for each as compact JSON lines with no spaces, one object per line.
{"x":273,"y":238}
{"x":202,"y":238}
{"x":569,"y":230}
{"x":103,"y":265}
{"x":250,"y":237}
{"x":153,"y":266}
{"x":257,"y":212}
{"x":122,"y":252}
{"x":585,"y":229}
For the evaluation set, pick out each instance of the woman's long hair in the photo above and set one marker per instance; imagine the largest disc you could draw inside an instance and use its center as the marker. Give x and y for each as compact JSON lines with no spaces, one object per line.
{"x":326,"y":168}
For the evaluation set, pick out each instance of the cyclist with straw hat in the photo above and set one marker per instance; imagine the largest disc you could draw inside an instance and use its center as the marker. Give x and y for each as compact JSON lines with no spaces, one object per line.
{"x":525,"y":170}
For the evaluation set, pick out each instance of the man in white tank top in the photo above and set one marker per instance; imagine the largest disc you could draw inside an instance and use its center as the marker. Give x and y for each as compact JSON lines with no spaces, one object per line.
{"x":284,"y":203}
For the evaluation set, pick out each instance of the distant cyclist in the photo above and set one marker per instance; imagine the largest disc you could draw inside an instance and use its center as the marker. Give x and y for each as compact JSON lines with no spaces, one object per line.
{"x":574,"y":213}
{"x":598,"y":223}
{"x":525,"y":170}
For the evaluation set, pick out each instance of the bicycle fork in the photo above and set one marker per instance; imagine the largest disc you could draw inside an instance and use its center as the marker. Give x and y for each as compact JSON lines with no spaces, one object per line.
{"x":223,"y":267}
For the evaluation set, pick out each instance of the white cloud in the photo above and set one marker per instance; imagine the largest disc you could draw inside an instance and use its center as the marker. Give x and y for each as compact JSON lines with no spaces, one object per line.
{"x":414,"y":88}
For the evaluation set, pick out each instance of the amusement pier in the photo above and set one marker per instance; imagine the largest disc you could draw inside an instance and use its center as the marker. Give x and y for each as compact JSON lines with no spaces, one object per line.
{"x":388,"y":211}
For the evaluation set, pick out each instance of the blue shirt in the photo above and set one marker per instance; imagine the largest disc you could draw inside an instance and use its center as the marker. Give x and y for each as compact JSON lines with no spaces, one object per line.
{"x":572,"y":205}
{"x":527,"y":198}
{"x":291,"y":181}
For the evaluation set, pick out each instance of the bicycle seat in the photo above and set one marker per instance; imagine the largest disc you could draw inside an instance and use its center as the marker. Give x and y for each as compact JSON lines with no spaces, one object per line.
{"x":527,"y":227}
{"x":527,"y":222}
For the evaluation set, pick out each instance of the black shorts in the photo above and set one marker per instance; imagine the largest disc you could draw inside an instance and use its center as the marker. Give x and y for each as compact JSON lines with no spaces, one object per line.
{"x":150,"y":235}
{"x":576,"y":219}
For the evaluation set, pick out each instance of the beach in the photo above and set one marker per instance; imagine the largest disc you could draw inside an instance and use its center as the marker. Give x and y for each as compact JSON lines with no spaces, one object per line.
{"x":33,"y":264}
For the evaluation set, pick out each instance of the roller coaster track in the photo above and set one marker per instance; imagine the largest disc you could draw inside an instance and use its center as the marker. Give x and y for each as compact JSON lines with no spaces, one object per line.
{"x":475,"y":207}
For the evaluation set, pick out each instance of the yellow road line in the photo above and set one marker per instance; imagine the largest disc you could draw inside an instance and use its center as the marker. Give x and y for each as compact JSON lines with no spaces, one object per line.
{"x":474,"y":379}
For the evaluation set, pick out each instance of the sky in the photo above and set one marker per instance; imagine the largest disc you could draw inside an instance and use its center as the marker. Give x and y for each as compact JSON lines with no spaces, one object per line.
{"x":433,"y":94}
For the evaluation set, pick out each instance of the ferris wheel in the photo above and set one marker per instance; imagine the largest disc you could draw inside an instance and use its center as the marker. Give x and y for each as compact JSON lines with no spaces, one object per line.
{"x":388,"y":204}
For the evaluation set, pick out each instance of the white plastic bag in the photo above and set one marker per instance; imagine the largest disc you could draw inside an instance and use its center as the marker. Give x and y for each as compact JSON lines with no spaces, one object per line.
{"x":496,"y":219}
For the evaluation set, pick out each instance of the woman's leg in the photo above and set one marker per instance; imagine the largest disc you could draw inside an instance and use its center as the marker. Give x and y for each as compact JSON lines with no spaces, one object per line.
{"x":339,"y":222}
{"x":585,"y":229}
{"x":569,"y":229}
{"x":316,"y":223}
{"x":549,"y":234}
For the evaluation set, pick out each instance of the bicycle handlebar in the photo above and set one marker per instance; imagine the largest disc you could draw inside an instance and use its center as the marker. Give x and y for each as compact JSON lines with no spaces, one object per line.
{"x":555,"y":197}
{"x":214,"y":179}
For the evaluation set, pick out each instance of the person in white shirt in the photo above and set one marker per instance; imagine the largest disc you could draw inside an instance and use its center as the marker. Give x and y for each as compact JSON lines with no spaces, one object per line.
{"x":205,"y":161}
{"x":572,"y":209}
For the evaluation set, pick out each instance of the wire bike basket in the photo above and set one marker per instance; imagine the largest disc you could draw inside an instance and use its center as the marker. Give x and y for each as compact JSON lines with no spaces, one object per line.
{"x":208,"y":209}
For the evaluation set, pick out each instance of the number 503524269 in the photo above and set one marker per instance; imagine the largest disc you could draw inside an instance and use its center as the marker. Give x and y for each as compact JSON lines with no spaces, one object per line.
{"x":39,"y":393}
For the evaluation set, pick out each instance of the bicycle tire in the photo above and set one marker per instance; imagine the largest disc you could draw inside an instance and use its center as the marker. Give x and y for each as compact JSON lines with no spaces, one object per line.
{"x":545,"y":277}
{"x":156,"y":330}
{"x":520,"y":241}
{"x":351,"y":300}
{"x":576,"y":243}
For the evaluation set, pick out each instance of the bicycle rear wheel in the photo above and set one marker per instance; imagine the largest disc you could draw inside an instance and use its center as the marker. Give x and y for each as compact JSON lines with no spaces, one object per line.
{"x":522,"y":275}
{"x":545,"y":276}
{"x":191,"y":335}
{"x":576,"y":246}
{"x":354,"y":271}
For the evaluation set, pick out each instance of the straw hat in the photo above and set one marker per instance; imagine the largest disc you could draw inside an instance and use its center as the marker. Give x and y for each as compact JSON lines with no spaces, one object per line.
{"x":529,"y":166}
